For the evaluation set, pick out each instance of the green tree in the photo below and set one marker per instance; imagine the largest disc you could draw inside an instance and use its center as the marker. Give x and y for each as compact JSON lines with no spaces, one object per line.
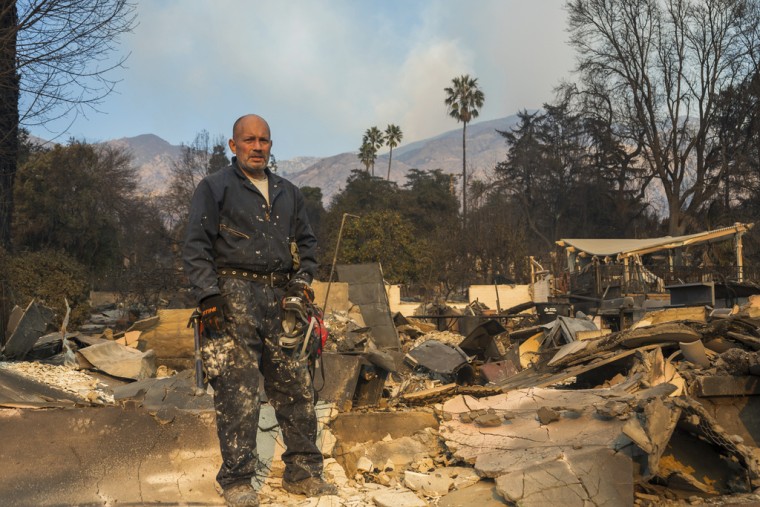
{"x":218,"y":159}
{"x":53,"y":64}
{"x":367,"y":155}
{"x":464,"y":98}
{"x":427,"y":201}
{"x":386,"y":237}
{"x":76,"y":198}
{"x":393,"y":136}
{"x":364,"y":193}
{"x":315,"y":210}
{"x":375,"y":139}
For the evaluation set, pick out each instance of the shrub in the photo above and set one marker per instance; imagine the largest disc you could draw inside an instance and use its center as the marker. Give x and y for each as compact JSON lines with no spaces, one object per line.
{"x":48,"y":277}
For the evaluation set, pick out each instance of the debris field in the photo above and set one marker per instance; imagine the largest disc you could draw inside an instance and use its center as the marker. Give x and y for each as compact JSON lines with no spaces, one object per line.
{"x":474,"y":407}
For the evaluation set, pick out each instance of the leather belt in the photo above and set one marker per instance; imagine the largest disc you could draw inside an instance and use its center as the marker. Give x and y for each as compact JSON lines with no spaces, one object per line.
{"x":275,"y":279}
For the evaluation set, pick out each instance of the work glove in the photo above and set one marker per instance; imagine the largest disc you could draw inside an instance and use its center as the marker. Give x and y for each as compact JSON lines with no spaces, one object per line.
{"x":299,"y":288}
{"x":212,"y":315}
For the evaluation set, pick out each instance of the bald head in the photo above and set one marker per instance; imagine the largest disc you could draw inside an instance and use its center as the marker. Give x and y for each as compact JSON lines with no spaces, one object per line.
{"x":244,"y":120}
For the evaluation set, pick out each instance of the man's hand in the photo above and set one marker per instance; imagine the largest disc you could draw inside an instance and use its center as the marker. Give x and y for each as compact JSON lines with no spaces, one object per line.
{"x":212,"y":315}
{"x":300,"y":289}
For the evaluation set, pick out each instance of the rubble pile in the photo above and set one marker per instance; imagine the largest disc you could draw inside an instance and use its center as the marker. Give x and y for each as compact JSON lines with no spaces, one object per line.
{"x":493,"y":408}
{"x":86,"y":387}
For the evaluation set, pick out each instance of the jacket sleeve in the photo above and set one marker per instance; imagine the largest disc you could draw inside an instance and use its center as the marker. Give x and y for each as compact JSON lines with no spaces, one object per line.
{"x":306,"y":241}
{"x":200,"y":235}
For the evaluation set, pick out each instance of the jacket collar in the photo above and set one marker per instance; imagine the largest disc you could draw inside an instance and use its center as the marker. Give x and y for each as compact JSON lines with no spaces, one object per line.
{"x":273,"y":178}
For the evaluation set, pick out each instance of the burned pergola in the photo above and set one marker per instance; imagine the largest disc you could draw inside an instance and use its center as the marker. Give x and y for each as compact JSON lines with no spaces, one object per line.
{"x":624,"y":255}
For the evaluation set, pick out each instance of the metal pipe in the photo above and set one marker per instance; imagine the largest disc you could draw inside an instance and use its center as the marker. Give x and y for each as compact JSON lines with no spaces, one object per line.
{"x":335,"y":257}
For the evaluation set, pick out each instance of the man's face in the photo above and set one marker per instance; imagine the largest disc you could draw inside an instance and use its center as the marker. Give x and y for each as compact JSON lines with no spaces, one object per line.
{"x":251,"y":144}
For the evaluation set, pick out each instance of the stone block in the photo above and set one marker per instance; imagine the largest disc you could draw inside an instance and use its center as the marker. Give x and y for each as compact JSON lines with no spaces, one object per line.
{"x":434,"y":484}
{"x":351,"y":428}
{"x":402,"y":498}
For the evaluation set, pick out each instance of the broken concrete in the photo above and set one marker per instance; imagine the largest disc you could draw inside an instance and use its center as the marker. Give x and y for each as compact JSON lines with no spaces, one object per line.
{"x":119,"y":456}
{"x":121,"y":361}
{"x":575,"y":478}
{"x":32,"y":324}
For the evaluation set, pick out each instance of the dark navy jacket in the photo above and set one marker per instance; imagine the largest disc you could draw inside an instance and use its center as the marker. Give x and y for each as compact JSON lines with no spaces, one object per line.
{"x":231,"y":226}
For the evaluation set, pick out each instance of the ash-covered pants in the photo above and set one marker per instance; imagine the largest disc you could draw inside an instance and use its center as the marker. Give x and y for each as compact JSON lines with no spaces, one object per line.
{"x":253,"y":321}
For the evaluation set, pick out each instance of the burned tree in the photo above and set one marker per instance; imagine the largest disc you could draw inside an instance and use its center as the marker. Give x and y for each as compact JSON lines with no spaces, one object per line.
{"x":54,"y":63}
{"x":661,"y":65}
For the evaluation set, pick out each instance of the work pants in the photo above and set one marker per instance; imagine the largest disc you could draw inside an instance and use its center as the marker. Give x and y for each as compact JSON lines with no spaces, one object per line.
{"x":232,"y":361}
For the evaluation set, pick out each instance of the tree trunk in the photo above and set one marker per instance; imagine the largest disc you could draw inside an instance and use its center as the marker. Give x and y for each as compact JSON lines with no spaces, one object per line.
{"x":390,"y":157}
{"x":677,"y":219}
{"x":464,"y":173}
{"x":9,"y":98}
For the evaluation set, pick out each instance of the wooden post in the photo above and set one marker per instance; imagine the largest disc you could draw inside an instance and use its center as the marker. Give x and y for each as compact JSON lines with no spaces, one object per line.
{"x":739,"y":257}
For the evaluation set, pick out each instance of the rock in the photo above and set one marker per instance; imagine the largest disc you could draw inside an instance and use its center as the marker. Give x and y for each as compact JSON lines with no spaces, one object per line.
{"x":547,"y":415}
{"x":364,"y":464}
{"x":424,"y":465}
{"x":326,"y":442}
{"x":435,"y":484}
{"x":463,"y":477}
{"x":488,"y":420}
{"x":400,"y":498}
{"x":334,"y":473}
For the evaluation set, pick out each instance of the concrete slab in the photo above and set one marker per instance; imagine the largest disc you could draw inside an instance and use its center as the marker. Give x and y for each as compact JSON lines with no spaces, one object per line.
{"x":434,"y":484}
{"x":398,"y":499}
{"x":352,"y":428}
{"x":575,"y":478}
{"x":482,"y":494}
{"x":100,"y":456}
{"x":401,"y":452}
{"x":522,"y":441}
{"x":18,"y":391}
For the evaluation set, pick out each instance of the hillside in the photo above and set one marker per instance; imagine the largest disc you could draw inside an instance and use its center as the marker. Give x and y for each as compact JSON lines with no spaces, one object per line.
{"x":485,"y":148}
{"x":153,"y":157}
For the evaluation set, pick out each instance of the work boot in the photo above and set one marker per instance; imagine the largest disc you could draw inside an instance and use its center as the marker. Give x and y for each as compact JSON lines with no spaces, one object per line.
{"x":313,"y":486}
{"x":241,"y":495}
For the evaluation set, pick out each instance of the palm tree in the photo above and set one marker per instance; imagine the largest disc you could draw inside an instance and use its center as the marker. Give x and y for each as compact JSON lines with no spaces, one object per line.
{"x":463,"y":99}
{"x":393,"y":136}
{"x":375,"y":138}
{"x":367,"y":155}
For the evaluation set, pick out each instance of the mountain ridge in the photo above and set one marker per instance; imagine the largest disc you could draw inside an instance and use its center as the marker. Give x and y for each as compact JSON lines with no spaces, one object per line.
{"x":153,"y":158}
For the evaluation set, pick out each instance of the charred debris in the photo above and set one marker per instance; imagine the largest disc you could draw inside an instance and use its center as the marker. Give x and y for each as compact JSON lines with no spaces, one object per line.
{"x":585,"y":388}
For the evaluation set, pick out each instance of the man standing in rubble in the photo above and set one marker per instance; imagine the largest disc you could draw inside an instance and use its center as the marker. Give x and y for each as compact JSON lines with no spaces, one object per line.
{"x":248,"y":245}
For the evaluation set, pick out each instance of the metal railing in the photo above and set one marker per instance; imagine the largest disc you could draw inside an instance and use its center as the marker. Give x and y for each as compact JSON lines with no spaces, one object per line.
{"x":595,"y":280}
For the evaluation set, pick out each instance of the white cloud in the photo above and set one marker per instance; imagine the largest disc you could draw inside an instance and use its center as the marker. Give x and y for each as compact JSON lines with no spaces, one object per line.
{"x":323,"y":71}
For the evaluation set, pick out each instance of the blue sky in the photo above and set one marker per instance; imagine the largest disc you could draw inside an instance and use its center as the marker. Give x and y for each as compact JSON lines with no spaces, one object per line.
{"x":322,"y":71}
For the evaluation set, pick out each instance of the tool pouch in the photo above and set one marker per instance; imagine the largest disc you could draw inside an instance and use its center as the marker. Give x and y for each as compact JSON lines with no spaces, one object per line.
{"x":294,"y":254}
